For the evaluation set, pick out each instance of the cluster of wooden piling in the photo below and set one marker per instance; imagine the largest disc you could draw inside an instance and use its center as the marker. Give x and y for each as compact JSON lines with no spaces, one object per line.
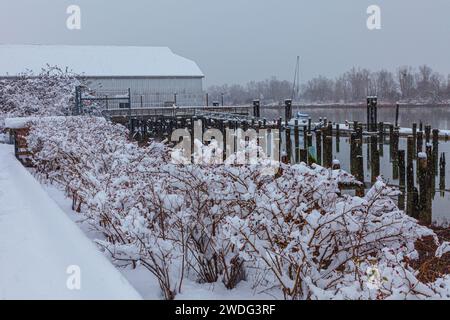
{"x":418,"y":192}
{"x":416,"y":168}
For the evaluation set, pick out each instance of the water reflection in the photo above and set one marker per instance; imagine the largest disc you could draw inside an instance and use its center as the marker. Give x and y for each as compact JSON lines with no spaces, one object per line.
{"x":436,"y":116}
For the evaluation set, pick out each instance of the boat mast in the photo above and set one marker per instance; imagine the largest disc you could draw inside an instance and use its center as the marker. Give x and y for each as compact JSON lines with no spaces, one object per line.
{"x":296,"y":82}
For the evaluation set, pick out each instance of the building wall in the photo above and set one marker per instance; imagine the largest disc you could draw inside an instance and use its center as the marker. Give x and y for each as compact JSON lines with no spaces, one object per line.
{"x":152,"y":92}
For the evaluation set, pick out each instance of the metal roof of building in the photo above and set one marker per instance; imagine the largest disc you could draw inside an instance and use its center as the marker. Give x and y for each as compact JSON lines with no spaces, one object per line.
{"x":100,"y":61}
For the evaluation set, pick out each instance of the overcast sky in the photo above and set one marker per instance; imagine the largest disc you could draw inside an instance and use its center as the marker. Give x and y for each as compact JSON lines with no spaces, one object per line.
{"x":235,"y":41}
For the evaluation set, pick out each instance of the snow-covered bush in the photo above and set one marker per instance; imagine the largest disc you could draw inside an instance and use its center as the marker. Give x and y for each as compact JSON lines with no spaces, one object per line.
{"x":294,"y":235}
{"x":49,"y":93}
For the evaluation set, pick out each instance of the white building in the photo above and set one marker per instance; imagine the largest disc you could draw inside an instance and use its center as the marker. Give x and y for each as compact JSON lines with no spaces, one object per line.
{"x":155,"y":75}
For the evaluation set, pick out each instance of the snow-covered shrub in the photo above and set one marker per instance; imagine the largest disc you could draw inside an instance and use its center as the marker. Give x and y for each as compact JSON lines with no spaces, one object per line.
{"x":45,"y":94}
{"x":49,"y":93}
{"x":110,"y":181}
{"x":294,"y":235}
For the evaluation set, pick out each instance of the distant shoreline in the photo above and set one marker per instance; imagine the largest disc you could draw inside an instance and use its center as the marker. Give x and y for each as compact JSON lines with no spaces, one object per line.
{"x":361,"y":105}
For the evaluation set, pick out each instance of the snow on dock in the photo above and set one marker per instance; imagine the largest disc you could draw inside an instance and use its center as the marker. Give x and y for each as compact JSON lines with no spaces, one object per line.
{"x":39,"y":244}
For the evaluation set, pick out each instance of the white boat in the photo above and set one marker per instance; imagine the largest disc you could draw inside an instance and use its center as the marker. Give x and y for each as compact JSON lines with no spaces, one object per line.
{"x":301,"y":119}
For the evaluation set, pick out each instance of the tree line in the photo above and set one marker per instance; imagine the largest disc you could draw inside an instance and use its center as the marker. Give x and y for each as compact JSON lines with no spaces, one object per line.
{"x":407,"y":84}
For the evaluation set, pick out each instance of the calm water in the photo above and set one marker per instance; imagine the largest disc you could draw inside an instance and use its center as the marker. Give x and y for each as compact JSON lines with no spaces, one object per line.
{"x":437,"y":117}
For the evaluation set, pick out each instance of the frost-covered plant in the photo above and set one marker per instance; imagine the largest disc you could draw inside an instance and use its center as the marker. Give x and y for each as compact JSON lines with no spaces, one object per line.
{"x":46,"y":94}
{"x":50,"y":92}
{"x":294,"y":235}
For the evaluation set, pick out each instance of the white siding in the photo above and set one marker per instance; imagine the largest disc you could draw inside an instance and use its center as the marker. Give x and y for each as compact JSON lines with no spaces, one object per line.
{"x":154,"y":91}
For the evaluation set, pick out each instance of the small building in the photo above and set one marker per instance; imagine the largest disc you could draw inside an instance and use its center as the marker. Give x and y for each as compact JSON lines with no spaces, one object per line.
{"x":155,"y":75}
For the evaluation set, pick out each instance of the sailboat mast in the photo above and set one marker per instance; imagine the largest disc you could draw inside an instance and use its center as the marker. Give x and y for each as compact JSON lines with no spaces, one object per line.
{"x":296,"y":84}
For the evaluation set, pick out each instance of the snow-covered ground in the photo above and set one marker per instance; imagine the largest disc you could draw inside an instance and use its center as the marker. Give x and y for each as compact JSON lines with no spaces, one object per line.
{"x":39,"y":245}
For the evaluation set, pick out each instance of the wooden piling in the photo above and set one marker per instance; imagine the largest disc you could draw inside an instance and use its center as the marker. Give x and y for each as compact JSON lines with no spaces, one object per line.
{"x":397,"y":112}
{"x":424,"y":196}
{"x":288,"y":110}
{"x":435,"y":143}
{"x":319,"y":146}
{"x":410,"y":176}
{"x":305,"y":139}
{"x":402,"y":179}
{"x":353,"y":153}
{"x":374,"y":158}
{"x":304,"y":156}
{"x":395,"y":143}
{"x":288,"y":144}
{"x":297,"y":141}
{"x":442,"y":165}
{"x":427,"y":133}
{"x":360,"y":171}
{"x":327,"y":151}
{"x":419,"y":146}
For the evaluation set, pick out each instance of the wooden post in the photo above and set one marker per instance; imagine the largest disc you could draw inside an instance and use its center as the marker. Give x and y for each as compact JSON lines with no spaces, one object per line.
{"x":430,"y":173}
{"x":424,"y":203}
{"x":304,"y":156}
{"x":288,"y":144}
{"x":359,"y":132}
{"x":353,"y":153}
{"x":391,"y":139}
{"x":280,"y":128}
{"x":397,"y":111}
{"x":374,"y":158}
{"x":402,"y":182}
{"x":319,"y":146}
{"x":359,"y":160}
{"x":422,"y":181}
{"x":305,"y":137}
{"x":297,"y":141}
{"x":442,"y":165}
{"x":225,"y":130}
{"x":330,"y":129}
{"x":256,"y":108}
{"x":288,"y":110}
{"x":360,"y":170}
{"x":410,"y":176}
{"x":410,"y":149}
{"x":328,"y":151}
{"x":381,"y":130}
{"x":338,"y":138}
{"x":410,"y":207}
{"x":414,"y":134}
{"x":419,"y":147}
{"x":435,"y":135}
{"x":311,"y":158}
{"x":372,"y":117}
{"x":427,"y":133}
{"x":395,"y":143}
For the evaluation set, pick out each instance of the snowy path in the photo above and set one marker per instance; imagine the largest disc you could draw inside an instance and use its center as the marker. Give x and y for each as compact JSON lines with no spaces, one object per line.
{"x":38,"y":242}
